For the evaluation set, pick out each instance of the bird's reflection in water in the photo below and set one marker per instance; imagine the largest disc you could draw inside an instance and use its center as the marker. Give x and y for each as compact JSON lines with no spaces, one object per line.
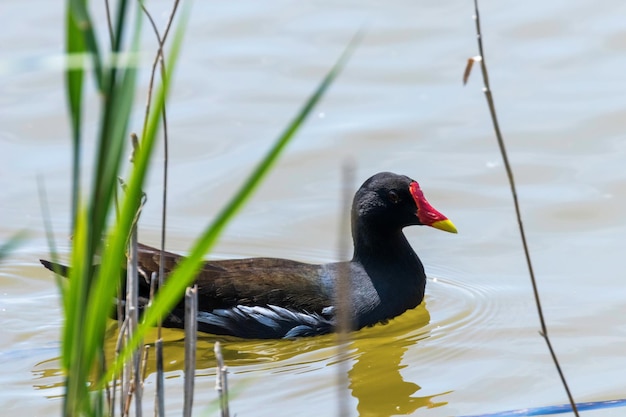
{"x":375,"y":362}
{"x":375,"y":378}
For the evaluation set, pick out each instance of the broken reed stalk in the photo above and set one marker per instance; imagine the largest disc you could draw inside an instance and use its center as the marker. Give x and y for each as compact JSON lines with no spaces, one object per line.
{"x":144,"y":363}
{"x":509,"y":172}
{"x":221,"y":381}
{"x":343,"y":301}
{"x":159,"y":400}
{"x":191,"y":338}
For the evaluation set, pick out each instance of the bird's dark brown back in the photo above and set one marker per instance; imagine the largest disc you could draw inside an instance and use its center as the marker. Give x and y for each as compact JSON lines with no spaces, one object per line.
{"x":250,"y":281}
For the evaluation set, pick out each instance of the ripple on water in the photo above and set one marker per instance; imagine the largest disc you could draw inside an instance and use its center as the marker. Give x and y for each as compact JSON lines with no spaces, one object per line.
{"x":458,"y":315}
{"x":450,"y":307}
{"x":457,"y":305}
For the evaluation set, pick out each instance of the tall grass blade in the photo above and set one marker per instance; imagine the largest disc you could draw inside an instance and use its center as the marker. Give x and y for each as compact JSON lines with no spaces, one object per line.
{"x":75,"y":304}
{"x":112,"y":140}
{"x":119,"y":26}
{"x":77,"y":9}
{"x":83,"y":334}
{"x":74,"y":75}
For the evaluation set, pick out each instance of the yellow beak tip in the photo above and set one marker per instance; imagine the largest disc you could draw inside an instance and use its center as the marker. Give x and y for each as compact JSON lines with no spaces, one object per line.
{"x":445,"y":225}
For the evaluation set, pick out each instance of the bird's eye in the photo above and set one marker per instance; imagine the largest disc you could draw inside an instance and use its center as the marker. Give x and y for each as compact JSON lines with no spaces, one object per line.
{"x":393,"y":196}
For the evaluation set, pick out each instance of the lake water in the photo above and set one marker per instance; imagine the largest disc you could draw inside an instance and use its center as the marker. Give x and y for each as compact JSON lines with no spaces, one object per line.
{"x":557,"y":71}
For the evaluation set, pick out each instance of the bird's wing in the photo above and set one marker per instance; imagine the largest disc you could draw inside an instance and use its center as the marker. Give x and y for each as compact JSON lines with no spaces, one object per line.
{"x":249,"y":282}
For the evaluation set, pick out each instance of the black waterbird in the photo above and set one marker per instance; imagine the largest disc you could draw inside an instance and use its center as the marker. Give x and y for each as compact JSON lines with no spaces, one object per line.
{"x":269,"y":298}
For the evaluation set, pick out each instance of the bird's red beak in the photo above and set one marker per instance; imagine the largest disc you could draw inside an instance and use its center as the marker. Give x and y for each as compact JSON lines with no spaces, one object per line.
{"x":427,"y":214}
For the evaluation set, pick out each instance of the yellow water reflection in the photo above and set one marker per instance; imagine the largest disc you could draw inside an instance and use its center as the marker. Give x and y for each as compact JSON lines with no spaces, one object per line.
{"x":375,"y":363}
{"x":376,"y":380}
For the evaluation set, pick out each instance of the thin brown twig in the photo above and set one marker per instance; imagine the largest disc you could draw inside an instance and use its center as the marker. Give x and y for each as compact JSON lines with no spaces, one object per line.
{"x":159,"y":56}
{"x":509,"y":172}
{"x":159,"y":59}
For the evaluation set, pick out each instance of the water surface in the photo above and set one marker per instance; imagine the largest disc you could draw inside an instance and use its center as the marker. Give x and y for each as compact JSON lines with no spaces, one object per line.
{"x":473,"y":347}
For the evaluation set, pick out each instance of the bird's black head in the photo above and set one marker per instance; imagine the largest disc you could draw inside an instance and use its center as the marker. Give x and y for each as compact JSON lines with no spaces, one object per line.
{"x":388,"y":202}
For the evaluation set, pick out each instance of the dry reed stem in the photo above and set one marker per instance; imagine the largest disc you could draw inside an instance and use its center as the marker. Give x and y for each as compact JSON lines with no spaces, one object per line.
{"x":343,"y":299}
{"x":132,"y":312}
{"x":492,"y":111}
{"x":191,"y":337}
{"x":144,"y":363}
{"x":132,"y":369}
{"x":159,"y":400}
{"x":221,"y":381}
{"x":118,"y":349}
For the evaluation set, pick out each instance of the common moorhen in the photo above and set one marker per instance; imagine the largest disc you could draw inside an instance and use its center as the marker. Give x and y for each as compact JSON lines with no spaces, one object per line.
{"x":267,"y":298}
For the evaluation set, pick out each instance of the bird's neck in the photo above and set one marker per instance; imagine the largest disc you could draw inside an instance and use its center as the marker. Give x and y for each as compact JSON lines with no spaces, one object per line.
{"x":394,"y":269}
{"x":386,"y":252}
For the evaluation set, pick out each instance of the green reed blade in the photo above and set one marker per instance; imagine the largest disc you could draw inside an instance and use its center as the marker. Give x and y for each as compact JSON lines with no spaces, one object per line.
{"x":82,"y":27}
{"x":113,"y":140}
{"x":82,"y":338}
{"x":114,"y":252}
{"x":74,"y":75}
